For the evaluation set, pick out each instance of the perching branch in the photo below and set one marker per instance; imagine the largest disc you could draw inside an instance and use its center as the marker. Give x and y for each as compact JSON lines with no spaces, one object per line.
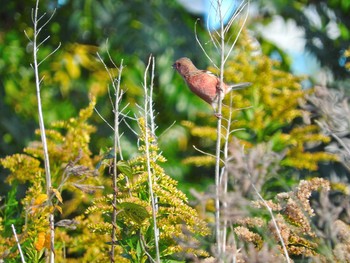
{"x":220,"y":39}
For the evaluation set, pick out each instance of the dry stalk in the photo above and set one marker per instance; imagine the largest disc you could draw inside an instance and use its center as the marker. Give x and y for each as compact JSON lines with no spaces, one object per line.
{"x":36,"y":31}
{"x":149,"y":121}
{"x":118,"y":94}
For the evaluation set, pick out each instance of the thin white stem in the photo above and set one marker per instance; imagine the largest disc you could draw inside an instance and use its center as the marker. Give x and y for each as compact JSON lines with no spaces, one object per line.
{"x":270,"y":212}
{"x":148,"y":157}
{"x":145,"y":249}
{"x":218,"y":141}
{"x":105,"y":121}
{"x":201,"y":46}
{"x":18,"y":244}
{"x":153,"y":127}
{"x":341,"y":142}
{"x":130,"y":128}
{"x":47,"y":21}
{"x":239,"y":32}
{"x":118,"y":93}
{"x":274,"y":222}
{"x":49,"y":55}
{"x":206,"y":153}
{"x":117,"y":148}
{"x":224,"y":177}
{"x":42,"y":42}
{"x":213,"y":39}
{"x":25,"y":33}
{"x":166,"y":130}
{"x":221,"y":230}
{"x":42,"y":130}
{"x":235,"y":14}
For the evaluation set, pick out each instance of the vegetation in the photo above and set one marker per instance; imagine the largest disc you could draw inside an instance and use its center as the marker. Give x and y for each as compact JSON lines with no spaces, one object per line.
{"x":132,"y":180}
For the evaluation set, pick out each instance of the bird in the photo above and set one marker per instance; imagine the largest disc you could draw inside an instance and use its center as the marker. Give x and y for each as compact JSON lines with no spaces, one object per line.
{"x":204,"y":84}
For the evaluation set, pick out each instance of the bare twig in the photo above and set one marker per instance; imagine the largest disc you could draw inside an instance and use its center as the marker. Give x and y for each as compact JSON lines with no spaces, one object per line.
{"x":239,"y":32}
{"x":117,"y":148}
{"x":118,"y":93}
{"x":336,"y":137}
{"x":218,"y":38}
{"x":224,"y":176}
{"x":201,"y":46}
{"x":206,"y":153}
{"x":148,"y":107}
{"x":151,"y":111}
{"x":41,"y":121}
{"x":143,"y":242}
{"x":18,"y":244}
{"x":218,"y":140}
{"x":270,"y":212}
{"x":235,"y":14}
{"x":105,"y":121}
{"x":273,"y":220}
{"x":49,"y":55}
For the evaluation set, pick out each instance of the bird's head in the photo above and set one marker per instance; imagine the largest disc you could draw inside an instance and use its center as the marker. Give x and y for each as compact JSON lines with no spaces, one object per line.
{"x":184,"y":66}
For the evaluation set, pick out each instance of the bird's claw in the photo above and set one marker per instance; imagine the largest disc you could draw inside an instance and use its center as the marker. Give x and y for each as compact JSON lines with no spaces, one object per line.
{"x":218,"y":88}
{"x":218,"y":115}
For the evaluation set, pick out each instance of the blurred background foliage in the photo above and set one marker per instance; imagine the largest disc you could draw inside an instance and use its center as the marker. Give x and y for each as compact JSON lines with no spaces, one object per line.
{"x":132,"y":30}
{"x":289,"y":132}
{"x":326,"y":25}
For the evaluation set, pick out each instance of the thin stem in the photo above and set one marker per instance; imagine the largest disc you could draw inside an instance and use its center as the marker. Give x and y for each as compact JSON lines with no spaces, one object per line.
{"x":115,"y":160}
{"x":105,"y":121}
{"x":224,"y":179}
{"x":153,"y":128}
{"x":201,"y":46}
{"x":118,"y":93}
{"x":42,"y":132}
{"x":274,"y":222}
{"x":18,"y":244}
{"x":218,"y":142}
{"x":148,"y":157}
{"x":239,"y":32}
{"x":49,"y":55}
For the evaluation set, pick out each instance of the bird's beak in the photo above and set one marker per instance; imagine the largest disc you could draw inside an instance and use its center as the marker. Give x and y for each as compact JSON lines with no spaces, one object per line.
{"x":174,"y":66}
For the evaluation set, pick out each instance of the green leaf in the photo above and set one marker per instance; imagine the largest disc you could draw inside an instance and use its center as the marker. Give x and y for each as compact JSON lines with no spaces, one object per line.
{"x":107,"y":156}
{"x":125,"y":168}
{"x":134,"y":211}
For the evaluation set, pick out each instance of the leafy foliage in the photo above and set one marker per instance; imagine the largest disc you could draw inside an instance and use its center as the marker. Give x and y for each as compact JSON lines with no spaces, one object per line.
{"x":293,"y":213}
{"x":276,"y":121}
{"x":74,"y":175}
{"x":176,"y":219}
{"x":68,"y":141}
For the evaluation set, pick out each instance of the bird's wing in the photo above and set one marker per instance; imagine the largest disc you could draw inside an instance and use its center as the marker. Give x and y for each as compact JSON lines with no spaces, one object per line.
{"x":209,"y":73}
{"x":200,"y":71}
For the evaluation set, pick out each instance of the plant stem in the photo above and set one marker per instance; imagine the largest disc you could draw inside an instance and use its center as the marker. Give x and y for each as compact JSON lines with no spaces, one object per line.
{"x":149,"y":111}
{"x":42,"y":133}
{"x":115,"y":160}
{"x":218,"y":140}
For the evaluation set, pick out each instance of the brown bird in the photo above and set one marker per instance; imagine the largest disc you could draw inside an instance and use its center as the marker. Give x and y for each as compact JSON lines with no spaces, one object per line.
{"x":204,"y":83}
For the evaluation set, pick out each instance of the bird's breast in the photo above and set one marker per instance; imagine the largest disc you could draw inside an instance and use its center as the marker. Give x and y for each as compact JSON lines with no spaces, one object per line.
{"x":204,"y":86}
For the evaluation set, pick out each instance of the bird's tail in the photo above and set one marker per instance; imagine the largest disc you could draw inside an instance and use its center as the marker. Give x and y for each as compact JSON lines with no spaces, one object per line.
{"x":238,"y":86}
